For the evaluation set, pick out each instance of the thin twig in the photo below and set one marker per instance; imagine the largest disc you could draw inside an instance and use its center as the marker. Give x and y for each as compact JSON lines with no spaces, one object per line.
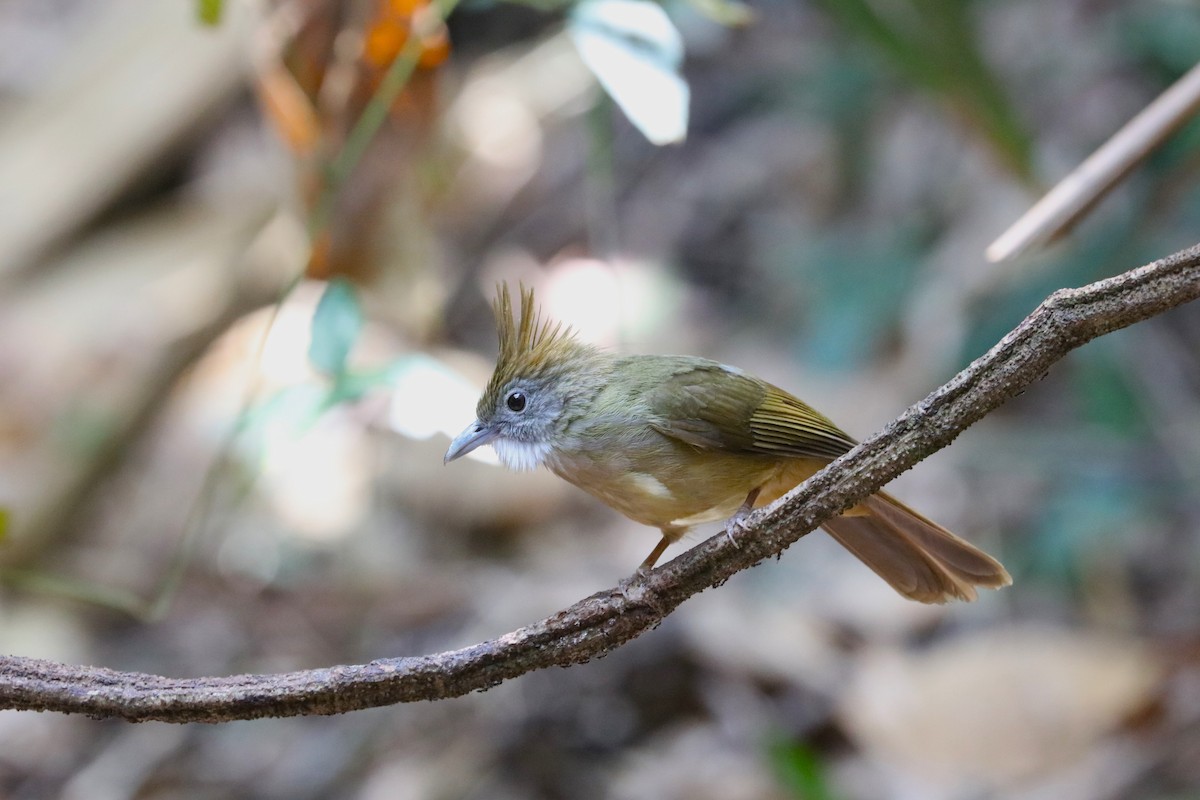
{"x":1071,"y":197}
{"x":606,"y":620}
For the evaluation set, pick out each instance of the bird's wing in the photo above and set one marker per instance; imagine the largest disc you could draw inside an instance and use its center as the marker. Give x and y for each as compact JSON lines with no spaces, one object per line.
{"x":715,"y":407}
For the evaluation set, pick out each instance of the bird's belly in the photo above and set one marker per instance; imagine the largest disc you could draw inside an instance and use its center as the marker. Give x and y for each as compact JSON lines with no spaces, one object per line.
{"x":673,"y":493}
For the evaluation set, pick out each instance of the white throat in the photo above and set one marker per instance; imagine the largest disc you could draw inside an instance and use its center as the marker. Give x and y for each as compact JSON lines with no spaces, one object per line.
{"x":520,"y":456}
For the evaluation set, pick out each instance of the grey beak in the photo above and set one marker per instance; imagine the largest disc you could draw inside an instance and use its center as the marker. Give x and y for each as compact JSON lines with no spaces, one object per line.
{"x":476,"y":435}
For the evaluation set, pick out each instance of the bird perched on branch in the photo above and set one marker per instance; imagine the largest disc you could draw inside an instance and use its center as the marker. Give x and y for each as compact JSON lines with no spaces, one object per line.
{"x":675,"y":441}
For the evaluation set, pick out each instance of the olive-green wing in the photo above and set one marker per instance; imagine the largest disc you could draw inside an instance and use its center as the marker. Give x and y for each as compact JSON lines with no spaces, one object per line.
{"x":711,"y":406}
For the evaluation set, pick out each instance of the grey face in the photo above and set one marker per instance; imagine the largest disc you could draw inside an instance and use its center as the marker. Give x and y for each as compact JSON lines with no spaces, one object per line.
{"x":519,"y":424}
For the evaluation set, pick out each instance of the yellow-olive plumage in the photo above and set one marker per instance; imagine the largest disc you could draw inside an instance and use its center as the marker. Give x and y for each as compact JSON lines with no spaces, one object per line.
{"x":674,"y":441}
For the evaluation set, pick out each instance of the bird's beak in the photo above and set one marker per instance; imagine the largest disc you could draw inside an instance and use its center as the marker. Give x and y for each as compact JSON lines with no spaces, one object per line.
{"x":476,"y":435}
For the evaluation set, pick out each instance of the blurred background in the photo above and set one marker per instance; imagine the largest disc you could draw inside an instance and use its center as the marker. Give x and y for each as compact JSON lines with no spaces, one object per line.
{"x":247,"y":251}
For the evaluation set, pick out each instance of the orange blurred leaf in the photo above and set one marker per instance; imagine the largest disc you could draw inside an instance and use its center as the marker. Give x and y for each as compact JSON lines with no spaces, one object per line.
{"x":388,"y":33}
{"x":289,"y":109}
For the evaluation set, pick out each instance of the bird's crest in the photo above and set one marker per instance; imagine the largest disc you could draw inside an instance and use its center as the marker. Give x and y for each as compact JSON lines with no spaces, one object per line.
{"x":524,"y":338}
{"x":529,"y":345}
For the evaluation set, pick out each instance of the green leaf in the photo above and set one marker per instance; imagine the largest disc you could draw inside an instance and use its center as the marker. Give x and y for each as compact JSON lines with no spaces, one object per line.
{"x":351,"y":385}
{"x":635,"y":51}
{"x":799,"y":770}
{"x":209,"y":11}
{"x":5,"y":519}
{"x":336,"y":325}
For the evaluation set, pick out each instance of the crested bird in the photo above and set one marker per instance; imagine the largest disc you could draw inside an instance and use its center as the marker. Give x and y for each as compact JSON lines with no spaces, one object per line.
{"x":676,"y":441}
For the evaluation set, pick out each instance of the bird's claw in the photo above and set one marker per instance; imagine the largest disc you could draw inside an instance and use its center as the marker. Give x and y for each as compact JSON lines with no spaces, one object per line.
{"x":736,"y":526}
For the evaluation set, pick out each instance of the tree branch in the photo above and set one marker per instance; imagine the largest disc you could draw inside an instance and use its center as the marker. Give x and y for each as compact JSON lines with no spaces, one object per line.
{"x":604,"y":621}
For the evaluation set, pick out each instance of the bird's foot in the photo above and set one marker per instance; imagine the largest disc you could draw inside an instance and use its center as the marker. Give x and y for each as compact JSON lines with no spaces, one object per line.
{"x":736,"y":525}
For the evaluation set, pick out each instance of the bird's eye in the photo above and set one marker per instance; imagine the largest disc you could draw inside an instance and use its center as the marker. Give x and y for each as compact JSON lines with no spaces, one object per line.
{"x":515,"y":402}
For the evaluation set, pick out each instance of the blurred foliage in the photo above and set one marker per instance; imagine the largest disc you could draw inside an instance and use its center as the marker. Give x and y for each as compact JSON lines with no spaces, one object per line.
{"x":635,"y":52}
{"x":732,"y":13}
{"x":1163,"y":35}
{"x":1088,"y":513}
{"x":101,"y":596}
{"x":800,"y":770}
{"x":336,"y":326}
{"x":934,"y":44}
{"x":1106,"y":399}
{"x":853,"y":295}
{"x":209,"y":11}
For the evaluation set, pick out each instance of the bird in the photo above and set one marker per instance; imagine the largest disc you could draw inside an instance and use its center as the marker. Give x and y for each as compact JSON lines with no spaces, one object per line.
{"x":676,"y":441}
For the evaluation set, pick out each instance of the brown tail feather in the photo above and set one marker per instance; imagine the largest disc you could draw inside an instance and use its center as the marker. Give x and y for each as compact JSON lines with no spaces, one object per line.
{"x":917,"y":557}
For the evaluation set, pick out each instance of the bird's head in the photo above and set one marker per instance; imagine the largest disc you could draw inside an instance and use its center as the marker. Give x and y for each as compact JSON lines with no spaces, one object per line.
{"x":541,"y":378}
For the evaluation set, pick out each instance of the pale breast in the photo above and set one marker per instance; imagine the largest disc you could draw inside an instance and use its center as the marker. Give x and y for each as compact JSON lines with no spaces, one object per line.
{"x":670,"y":490}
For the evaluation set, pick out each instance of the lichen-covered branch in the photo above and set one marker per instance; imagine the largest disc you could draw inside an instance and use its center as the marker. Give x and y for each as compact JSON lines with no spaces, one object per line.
{"x":606,"y":620}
